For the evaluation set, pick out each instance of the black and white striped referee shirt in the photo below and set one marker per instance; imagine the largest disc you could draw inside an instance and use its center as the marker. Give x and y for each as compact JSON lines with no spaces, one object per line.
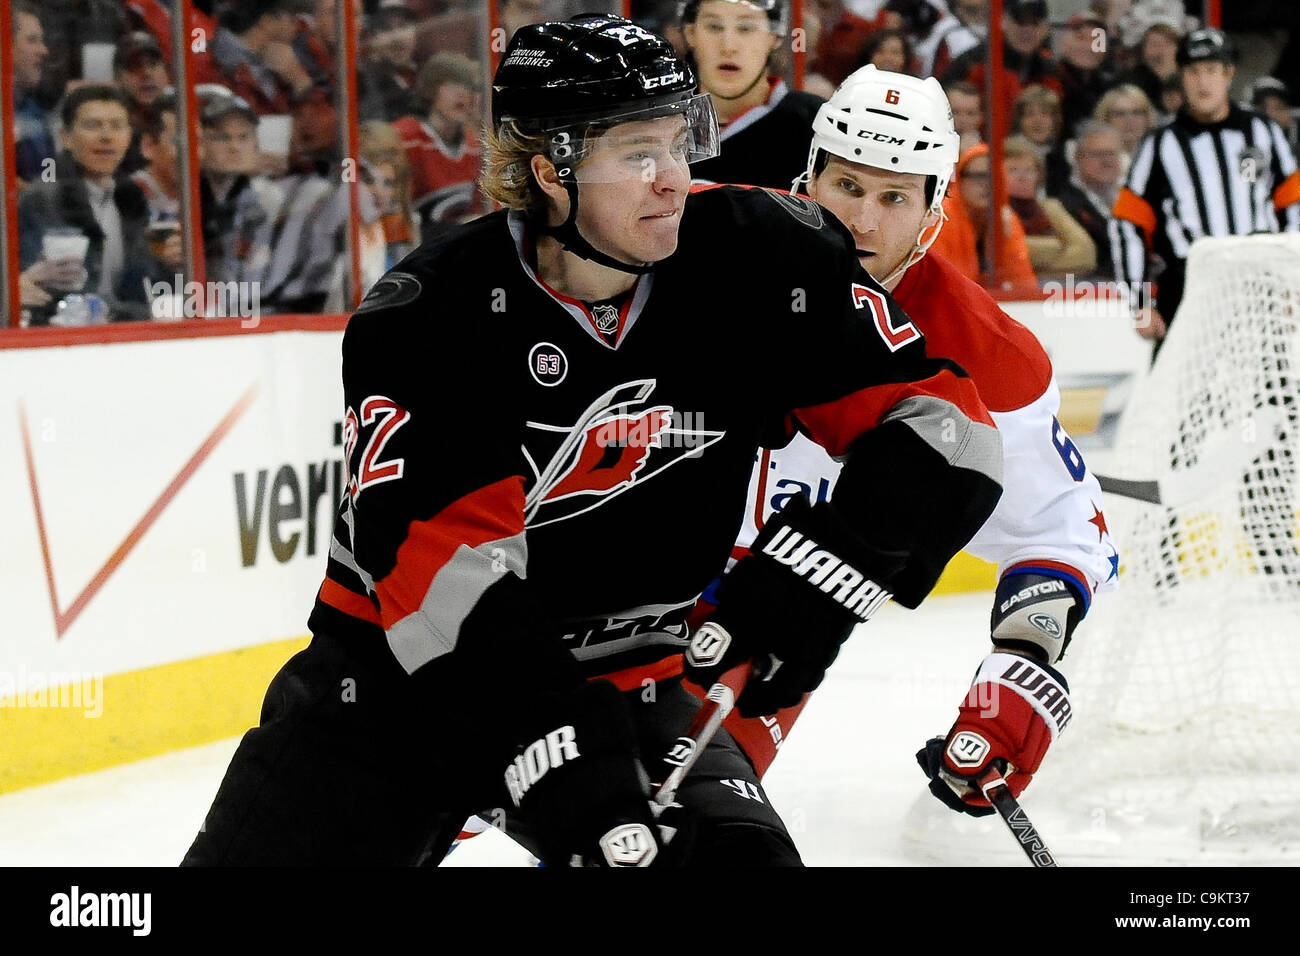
{"x":1190,"y":179}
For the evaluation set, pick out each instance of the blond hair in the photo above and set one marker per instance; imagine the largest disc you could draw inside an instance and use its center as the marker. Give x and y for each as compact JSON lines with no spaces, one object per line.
{"x":1020,"y":147}
{"x":381,"y":143}
{"x":1104,"y":105}
{"x":506,"y":176}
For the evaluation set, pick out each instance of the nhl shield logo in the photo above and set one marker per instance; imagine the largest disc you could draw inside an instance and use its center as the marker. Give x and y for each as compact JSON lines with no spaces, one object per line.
{"x":605,"y":317}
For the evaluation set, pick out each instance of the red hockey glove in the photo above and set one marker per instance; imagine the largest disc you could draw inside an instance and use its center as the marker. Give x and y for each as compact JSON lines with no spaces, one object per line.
{"x":1013,"y":712}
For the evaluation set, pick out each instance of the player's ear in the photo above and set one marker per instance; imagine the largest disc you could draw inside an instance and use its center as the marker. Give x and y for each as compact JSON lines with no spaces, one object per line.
{"x":688,"y":31}
{"x":548,"y":180}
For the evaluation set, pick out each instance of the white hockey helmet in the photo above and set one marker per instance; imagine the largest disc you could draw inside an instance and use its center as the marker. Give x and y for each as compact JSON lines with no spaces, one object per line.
{"x":888,"y":121}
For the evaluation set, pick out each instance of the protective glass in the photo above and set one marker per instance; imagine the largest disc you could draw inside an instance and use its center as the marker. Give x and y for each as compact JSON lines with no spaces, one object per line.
{"x":639,"y":145}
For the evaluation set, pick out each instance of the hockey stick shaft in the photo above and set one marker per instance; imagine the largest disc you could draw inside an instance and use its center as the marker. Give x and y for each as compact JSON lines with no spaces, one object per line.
{"x":1148,"y":491}
{"x":1013,"y":815}
{"x":687,"y":748}
{"x":1224,"y":456}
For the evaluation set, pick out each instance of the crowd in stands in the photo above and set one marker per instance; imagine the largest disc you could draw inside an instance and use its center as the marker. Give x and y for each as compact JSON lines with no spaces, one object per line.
{"x":100,"y":173}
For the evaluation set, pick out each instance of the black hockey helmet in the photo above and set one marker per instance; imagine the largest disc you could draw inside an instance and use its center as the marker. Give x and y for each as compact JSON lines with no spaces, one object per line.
{"x":1206,"y":44}
{"x":589,"y":68}
{"x":777,"y":11}
{"x":568,"y":80}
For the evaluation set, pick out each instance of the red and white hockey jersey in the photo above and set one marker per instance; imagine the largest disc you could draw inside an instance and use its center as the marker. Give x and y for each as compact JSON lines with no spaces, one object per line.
{"x":1050,"y":516}
{"x":444,"y":180}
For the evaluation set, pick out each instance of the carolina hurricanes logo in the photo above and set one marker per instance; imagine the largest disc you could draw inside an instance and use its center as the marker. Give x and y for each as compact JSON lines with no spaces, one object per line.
{"x":618,"y":441}
{"x":611,"y":453}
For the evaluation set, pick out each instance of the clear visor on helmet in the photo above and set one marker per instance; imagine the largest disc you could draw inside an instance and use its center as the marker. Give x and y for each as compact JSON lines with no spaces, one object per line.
{"x":637,"y":145}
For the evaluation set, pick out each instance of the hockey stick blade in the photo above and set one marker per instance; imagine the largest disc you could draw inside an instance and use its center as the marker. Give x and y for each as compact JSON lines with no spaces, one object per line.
{"x":687,"y":748}
{"x":1221,"y":460}
{"x":1013,"y":815}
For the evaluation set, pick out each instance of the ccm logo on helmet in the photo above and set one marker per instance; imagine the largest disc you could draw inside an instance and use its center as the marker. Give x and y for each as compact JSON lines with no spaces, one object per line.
{"x":881,"y":137}
{"x":650,"y":82}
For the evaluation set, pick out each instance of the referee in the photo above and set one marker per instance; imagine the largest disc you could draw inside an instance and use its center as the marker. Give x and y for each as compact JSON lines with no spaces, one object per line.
{"x":1215,"y":169}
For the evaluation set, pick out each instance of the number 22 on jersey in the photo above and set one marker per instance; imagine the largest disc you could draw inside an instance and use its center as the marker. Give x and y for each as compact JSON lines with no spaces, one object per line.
{"x":371,"y":470}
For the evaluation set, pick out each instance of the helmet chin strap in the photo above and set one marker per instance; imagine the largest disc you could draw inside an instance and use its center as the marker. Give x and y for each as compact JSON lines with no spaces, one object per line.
{"x":568,"y":236}
{"x":919,"y":250}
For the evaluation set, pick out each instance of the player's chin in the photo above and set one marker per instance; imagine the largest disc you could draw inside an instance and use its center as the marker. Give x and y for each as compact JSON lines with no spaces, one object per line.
{"x":657,"y":237}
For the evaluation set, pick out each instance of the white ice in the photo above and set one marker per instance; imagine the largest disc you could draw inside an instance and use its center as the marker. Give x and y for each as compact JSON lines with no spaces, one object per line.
{"x":846,"y":781}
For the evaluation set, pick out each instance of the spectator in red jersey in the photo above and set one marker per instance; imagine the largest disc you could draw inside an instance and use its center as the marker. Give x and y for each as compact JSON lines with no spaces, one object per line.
{"x":252,"y":55}
{"x":842,"y":39}
{"x":1026,"y":56}
{"x":442,"y":146}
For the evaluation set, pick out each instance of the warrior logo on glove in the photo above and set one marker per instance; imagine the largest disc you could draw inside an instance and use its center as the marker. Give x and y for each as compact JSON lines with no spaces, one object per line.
{"x":629,"y":845}
{"x":968,"y":749}
{"x":708,"y":645}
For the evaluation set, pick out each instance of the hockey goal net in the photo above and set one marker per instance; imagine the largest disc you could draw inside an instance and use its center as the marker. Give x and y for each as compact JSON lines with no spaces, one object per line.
{"x":1185,"y":746}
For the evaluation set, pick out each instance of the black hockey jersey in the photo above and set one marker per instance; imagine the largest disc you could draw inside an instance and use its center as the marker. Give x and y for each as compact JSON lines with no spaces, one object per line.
{"x":505,"y":454}
{"x":766,"y":145}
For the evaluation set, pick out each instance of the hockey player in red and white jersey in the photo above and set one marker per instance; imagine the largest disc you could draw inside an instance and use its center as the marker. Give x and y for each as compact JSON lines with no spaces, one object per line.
{"x":882,"y":155}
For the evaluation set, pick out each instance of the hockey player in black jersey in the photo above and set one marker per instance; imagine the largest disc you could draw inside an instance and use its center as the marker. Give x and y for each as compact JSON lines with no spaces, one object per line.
{"x":765,"y":124}
{"x":551,"y":417}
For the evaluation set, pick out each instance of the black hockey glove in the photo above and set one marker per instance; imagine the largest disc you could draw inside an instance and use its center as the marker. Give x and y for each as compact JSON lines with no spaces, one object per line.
{"x":789,"y":605}
{"x":581,"y":786}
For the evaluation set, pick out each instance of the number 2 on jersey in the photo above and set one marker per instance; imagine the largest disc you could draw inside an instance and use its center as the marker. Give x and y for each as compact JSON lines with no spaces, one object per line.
{"x":874,"y":302}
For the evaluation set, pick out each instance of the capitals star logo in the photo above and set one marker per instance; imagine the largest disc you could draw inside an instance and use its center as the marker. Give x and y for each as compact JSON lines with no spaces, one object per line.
{"x":621,"y":439}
